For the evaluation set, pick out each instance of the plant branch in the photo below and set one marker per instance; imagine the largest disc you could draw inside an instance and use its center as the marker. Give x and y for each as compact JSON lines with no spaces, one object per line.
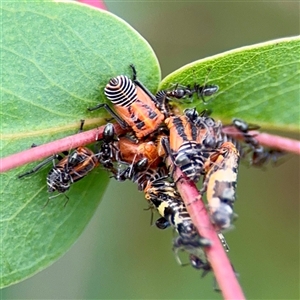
{"x":266,"y":139}
{"x":66,"y":144}
{"x":88,"y":137}
{"x":278,"y":142}
{"x":216,"y":255}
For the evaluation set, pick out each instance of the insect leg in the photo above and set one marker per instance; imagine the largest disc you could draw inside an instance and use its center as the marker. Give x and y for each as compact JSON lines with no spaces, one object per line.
{"x":122,"y":123}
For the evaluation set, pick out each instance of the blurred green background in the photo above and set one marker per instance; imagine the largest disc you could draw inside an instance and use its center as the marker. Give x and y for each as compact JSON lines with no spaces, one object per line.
{"x":120,"y":255}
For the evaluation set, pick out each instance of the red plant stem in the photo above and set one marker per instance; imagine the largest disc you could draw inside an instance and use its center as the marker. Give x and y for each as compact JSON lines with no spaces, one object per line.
{"x":270,"y":140}
{"x":278,"y":142}
{"x":46,"y":150}
{"x":87,"y":137}
{"x":95,"y":3}
{"x":216,"y":255}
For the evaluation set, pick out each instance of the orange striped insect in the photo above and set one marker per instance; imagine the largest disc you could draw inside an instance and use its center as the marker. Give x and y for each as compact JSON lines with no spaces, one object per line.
{"x":128,"y":158}
{"x":209,"y":131}
{"x":139,"y":163}
{"x":163,"y":195}
{"x":220,"y":183}
{"x":184,"y":146}
{"x":131,"y":151}
{"x":70,"y":169}
{"x":135,"y":107}
{"x":67,"y":169}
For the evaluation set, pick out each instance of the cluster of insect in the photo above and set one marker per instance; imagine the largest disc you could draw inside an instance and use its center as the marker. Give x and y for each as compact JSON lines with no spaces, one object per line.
{"x":158,"y":140}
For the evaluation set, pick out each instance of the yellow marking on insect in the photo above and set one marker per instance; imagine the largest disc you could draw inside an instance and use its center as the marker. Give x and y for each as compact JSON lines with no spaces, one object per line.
{"x":220,"y":183}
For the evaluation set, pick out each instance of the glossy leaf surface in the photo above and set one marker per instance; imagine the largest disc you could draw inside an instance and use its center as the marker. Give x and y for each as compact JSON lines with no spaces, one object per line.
{"x":56,"y":60}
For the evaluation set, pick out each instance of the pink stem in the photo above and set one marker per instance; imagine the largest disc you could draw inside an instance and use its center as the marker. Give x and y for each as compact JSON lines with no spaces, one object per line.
{"x":87,"y":137}
{"x":278,"y":142}
{"x":216,"y":255}
{"x":269,"y":140}
{"x":46,"y":150}
{"x":96,"y":3}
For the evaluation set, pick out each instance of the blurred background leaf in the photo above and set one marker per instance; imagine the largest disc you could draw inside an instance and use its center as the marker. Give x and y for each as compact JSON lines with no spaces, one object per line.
{"x":119,"y":255}
{"x":56,"y":58}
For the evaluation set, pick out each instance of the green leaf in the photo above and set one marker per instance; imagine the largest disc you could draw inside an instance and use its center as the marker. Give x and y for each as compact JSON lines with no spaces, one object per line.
{"x":258,"y":83}
{"x":56,"y":59}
